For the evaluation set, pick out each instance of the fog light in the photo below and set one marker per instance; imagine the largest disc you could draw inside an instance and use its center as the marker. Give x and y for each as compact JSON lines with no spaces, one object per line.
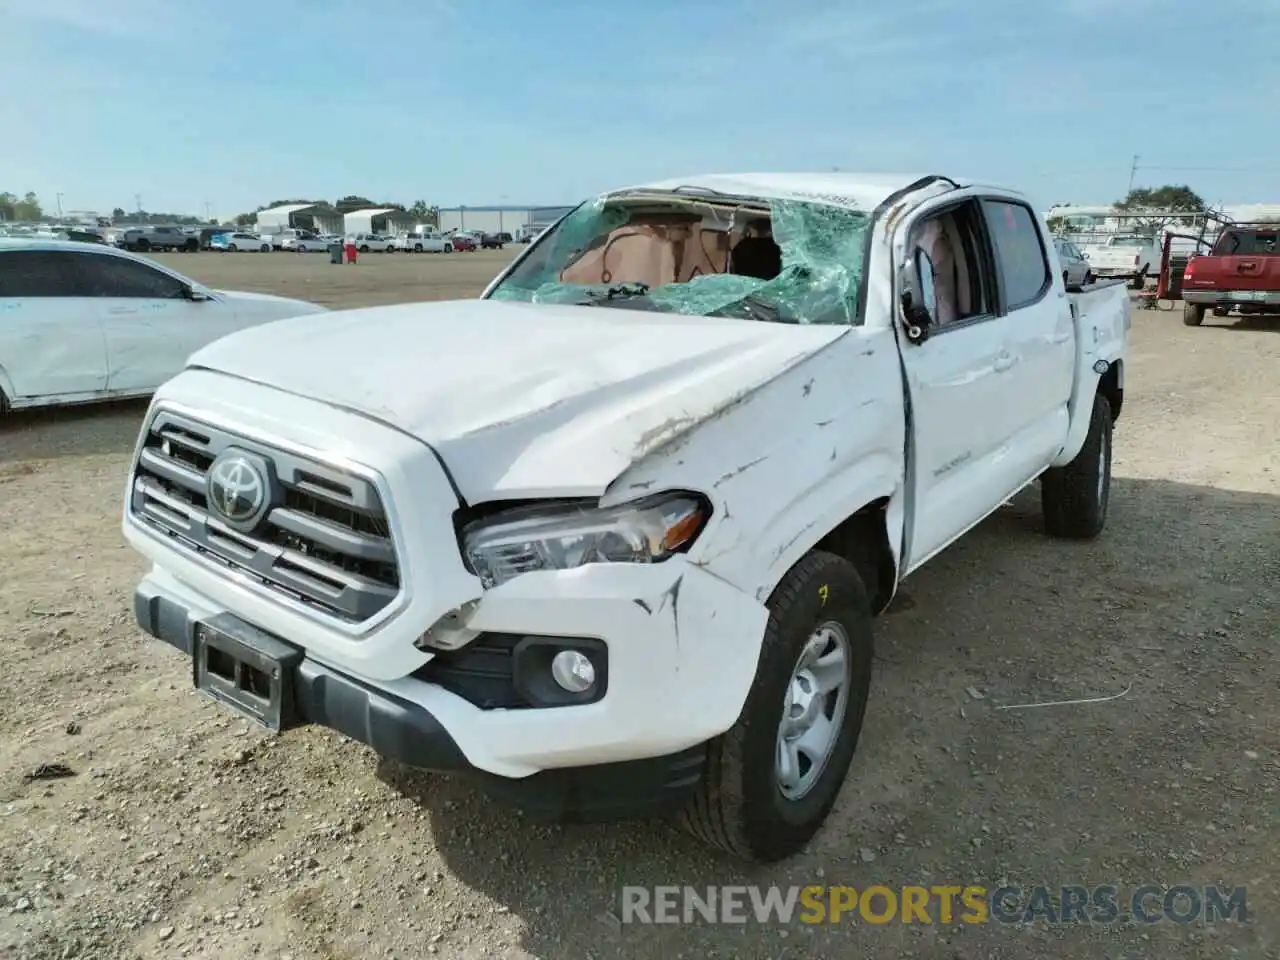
{"x":573,"y":671}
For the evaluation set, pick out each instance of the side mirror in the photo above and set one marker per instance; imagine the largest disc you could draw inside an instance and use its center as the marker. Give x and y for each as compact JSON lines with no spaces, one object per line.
{"x":919,"y":298}
{"x":194,"y":295}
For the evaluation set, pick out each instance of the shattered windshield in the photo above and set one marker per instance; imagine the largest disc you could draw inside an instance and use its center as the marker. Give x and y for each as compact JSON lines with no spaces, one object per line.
{"x":783,"y":261}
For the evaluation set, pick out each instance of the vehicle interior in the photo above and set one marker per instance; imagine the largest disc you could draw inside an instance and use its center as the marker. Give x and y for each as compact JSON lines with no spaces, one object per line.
{"x":956,"y":248}
{"x":664,"y":243}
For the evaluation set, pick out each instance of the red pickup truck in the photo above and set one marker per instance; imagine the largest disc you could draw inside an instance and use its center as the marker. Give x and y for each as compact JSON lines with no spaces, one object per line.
{"x":1241,"y":273}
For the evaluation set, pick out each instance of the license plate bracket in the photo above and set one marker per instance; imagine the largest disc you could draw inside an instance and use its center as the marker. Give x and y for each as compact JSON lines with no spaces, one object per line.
{"x":1248,"y":295}
{"x":247,"y":670}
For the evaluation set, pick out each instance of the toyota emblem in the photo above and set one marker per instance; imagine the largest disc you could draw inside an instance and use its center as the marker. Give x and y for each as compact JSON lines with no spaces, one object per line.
{"x":237,"y":488}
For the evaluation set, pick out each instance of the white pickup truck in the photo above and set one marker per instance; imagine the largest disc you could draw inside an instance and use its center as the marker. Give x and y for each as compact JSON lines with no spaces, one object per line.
{"x":1131,"y":257}
{"x":612,"y":537}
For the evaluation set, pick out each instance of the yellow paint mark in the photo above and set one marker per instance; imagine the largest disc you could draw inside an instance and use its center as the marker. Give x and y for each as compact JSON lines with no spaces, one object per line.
{"x":823,"y":592}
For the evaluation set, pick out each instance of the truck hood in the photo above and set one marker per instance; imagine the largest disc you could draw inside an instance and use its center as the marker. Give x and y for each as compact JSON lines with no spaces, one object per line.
{"x":522,"y":400}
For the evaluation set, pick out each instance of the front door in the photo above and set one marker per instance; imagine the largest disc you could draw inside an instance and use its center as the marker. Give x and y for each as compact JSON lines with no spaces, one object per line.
{"x":149,"y":323}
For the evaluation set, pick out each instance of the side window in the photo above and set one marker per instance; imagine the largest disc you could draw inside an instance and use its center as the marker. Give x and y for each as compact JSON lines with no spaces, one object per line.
{"x":37,"y":273}
{"x":1019,"y":251}
{"x":963,"y":282}
{"x":118,"y":277}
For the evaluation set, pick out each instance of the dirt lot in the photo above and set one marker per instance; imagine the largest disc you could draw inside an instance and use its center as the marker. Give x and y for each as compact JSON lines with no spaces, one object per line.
{"x":185,"y":833}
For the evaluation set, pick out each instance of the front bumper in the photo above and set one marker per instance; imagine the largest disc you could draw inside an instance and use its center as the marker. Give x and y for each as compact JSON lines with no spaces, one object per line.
{"x":410,"y":733}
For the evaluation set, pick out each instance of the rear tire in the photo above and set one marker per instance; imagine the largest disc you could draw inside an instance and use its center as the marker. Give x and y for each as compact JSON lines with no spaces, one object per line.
{"x":232,"y":248}
{"x":364,"y":249}
{"x":1074,"y":497}
{"x":1193,"y":314}
{"x":142,"y":246}
{"x":265,"y":248}
{"x":743,"y":805}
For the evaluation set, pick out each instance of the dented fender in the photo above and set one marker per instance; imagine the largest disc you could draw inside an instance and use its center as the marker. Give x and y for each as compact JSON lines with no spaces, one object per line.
{"x":790,"y":462}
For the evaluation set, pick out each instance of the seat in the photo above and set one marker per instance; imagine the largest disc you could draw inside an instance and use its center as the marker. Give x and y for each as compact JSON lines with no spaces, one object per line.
{"x":758,"y":257}
{"x":937,"y":245}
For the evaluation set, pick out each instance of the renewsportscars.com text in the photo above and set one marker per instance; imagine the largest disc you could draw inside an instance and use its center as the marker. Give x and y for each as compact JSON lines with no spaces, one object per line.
{"x":943,"y":904}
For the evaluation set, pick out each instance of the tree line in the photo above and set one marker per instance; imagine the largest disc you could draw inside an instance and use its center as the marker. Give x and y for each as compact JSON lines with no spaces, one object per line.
{"x":28,"y":209}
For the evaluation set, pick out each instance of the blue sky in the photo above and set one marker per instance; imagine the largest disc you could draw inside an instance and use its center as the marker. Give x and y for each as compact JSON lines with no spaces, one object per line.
{"x":235,"y":103}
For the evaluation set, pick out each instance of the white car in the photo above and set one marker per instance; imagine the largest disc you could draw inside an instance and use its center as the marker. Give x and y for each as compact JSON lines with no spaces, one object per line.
{"x":642,"y":571}
{"x":84,"y":322}
{"x":307,"y":244}
{"x":424,"y":243}
{"x":1131,"y":257}
{"x":374,"y":243}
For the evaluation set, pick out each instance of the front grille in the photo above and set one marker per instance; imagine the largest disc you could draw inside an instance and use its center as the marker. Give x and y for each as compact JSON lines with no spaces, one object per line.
{"x":482,"y":672}
{"x":325,"y":543}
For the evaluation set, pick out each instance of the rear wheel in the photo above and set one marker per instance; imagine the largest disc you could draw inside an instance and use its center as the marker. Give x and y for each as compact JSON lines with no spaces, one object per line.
{"x":1074,"y":497}
{"x":1193,"y":314}
{"x":772,"y":779}
{"x":232,"y":248}
{"x":143,"y":246}
{"x":364,"y":248}
{"x":265,"y":248}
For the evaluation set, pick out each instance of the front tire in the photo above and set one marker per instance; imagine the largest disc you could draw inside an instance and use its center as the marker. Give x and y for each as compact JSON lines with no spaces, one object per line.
{"x":772,"y":778}
{"x":232,"y":248}
{"x":265,"y":248}
{"x":364,"y":248}
{"x":1193,"y":314}
{"x":1074,"y":497}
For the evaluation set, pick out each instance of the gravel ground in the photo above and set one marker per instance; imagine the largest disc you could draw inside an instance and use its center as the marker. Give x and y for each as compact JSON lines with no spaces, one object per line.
{"x":178,"y":830}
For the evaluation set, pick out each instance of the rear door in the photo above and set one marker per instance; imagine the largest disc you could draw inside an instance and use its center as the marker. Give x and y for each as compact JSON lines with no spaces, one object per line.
{"x":51,"y":337}
{"x":1039,"y":338}
{"x":149,"y":324}
{"x":1246,"y":260}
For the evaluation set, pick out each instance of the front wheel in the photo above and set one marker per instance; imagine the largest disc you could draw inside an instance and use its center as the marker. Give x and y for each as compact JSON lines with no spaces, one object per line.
{"x":1193,"y":314}
{"x":772,"y":779}
{"x":232,"y":248}
{"x":364,"y":248}
{"x":1074,"y":497}
{"x":265,"y":248}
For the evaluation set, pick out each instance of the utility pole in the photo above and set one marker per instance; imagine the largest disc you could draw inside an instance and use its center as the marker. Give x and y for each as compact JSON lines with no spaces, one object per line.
{"x":137,"y":202}
{"x":59,"y":196}
{"x":1133,"y":171}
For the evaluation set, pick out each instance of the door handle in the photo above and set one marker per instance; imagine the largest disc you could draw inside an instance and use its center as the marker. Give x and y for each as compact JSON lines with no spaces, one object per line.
{"x":1004,"y":362}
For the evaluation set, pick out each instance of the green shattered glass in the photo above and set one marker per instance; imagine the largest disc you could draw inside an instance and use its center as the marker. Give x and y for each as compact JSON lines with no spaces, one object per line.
{"x":823,"y":251}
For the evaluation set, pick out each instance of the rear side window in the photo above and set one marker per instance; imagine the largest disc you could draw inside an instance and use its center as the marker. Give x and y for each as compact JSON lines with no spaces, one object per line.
{"x":1248,"y":243}
{"x":37,"y":273}
{"x":1020,"y":253}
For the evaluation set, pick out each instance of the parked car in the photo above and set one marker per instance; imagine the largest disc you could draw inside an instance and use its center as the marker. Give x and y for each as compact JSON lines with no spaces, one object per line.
{"x":463,"y":241}
{"x":309,"y":244}
{"x":494,"y":241}
{"x":424,"y":243}
{"x":647,"y":583}
{"x":240,"y":242}
{"x":1241,"y":272}
{"x":144,"y":239}
{"x":1130,"y":257}
{"x":374,"y":243}
{"x":86,"y":322}
{"x":83,"y":236}
{"x":206,"y":235}
{"x":1075,"y":268}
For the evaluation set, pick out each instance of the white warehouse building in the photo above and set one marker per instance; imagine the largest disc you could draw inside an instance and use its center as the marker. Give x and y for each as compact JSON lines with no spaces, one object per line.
{"x":387,"y":220}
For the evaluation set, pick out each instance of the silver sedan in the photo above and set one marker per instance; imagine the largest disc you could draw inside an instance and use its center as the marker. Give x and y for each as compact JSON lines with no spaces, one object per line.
{"x":1075,"y":268}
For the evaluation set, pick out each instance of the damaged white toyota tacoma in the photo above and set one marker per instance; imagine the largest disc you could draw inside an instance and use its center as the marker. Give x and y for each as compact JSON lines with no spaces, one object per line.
{"x":612,"y":537}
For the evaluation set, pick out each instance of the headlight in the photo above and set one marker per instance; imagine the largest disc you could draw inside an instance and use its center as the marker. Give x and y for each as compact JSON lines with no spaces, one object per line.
{"x":543,"y":537}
